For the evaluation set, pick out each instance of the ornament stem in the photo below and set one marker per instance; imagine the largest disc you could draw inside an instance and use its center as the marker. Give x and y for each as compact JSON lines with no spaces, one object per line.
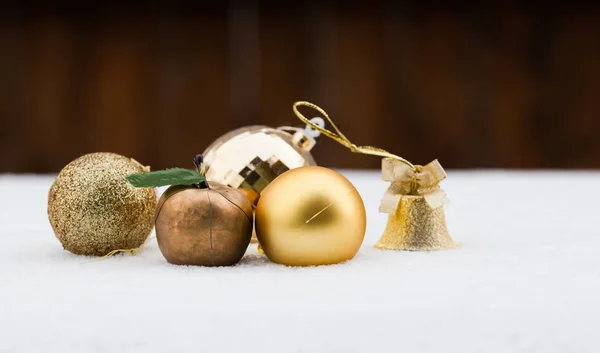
{"x":199,"y":163}
{"x":339,"y":137}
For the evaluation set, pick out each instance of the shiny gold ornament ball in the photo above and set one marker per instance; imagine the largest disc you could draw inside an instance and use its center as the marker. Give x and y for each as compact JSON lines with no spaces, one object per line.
{"x":310,"y":216}
{"x":203,"y":227}
{"x":94,"y":210}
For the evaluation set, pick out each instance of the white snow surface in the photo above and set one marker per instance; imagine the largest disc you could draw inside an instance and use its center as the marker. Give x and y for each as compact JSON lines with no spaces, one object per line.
{"x":525,"y":278}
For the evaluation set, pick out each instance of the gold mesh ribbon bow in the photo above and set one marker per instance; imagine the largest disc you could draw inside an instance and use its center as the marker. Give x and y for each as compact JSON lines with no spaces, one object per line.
{"x":420,"y":181}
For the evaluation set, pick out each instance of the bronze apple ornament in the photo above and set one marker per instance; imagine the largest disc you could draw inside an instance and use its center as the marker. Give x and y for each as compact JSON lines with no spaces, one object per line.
{"x":197,"y":222}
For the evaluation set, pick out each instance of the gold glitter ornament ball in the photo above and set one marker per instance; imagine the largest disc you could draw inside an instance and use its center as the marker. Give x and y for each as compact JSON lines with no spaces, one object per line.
{"x":310,"y":216}
{"x":94,"y":210}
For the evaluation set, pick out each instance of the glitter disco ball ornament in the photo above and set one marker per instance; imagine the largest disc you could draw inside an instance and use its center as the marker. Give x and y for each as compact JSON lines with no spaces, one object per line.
{"x":92,"y":208}
{"x":251,"y":157}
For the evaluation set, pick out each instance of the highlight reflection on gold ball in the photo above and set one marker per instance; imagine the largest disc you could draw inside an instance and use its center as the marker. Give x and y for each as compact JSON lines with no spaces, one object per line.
{"x":310,"y":216}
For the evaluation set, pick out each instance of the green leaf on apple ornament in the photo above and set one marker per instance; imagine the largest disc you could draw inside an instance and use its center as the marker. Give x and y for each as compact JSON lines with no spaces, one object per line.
{"x":174,"y":176}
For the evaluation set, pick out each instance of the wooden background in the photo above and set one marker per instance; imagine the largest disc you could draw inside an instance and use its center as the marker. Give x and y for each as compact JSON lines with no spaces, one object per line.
{"x":503,"y":86}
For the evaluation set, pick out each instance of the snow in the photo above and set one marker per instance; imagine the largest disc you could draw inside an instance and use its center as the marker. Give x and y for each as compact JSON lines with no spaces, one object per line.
{"x":525,"y":278}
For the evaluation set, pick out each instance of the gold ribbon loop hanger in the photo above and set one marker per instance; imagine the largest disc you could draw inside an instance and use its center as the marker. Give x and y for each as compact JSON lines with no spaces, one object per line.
{"x":405,"y":177}
{"x":341,"y":138}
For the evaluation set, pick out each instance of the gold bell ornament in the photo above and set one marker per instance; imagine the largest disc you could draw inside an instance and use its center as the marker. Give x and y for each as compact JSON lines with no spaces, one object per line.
{"x":414,"y":200}
{"x":415,"y":204}
{"x":251,"y":157}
